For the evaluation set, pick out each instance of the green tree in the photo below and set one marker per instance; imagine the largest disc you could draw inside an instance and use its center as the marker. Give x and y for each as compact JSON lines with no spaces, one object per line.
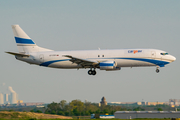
{"x":62,"y":104}
{"x":87,"y":113}
{"x":98,"y":111}
{"x":31,"y":110}
{"x":76,"y":112}
{"x":53,"y":108}
{"x":38,"y":111}
{"x":91,"y":107}
{"x":53,"y":112}
{"x":105,"y":111}
{"x":76,"y":107}
{"x":66,"y":113}
{"x":46,"y":112}
{"x":159,"y":109}
{"x":138,"y":109}
{"x":61,"y":113}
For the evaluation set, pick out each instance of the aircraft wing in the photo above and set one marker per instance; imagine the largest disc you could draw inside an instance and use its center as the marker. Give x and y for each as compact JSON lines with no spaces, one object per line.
{"x":18,"y":54}
{"x":82,"y":62}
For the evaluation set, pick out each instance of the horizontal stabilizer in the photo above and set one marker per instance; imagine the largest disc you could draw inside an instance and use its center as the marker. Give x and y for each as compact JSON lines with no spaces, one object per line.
{"x":18,"y":54}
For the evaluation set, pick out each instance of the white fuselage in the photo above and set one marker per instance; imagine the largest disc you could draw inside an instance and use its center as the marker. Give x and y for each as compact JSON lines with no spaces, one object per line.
{"x":122,"y":58}
{"x":101,"y":59}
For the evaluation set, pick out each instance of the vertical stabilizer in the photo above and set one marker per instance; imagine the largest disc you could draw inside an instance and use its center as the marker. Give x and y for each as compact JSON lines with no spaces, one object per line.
{"x":24,"y":43}
{"x":19,"y":33}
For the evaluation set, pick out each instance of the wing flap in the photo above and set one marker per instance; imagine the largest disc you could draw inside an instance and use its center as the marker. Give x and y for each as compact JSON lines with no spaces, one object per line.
{"x":82,"y":62}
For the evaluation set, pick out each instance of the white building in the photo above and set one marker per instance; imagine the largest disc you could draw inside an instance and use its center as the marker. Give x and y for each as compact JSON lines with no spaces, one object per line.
{"x":6,"y":98}
{"x":9,"y":99}
{"x":1,"y":99}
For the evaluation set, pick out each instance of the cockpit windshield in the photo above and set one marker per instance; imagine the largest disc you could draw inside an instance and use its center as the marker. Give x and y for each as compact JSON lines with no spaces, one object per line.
{"x":164,"y":53}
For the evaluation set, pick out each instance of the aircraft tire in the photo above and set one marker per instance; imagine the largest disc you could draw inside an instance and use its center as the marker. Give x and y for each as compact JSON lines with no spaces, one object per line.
{"x":93,"y":72}
{"x":90,"y":72}
{"x":157,"y":70}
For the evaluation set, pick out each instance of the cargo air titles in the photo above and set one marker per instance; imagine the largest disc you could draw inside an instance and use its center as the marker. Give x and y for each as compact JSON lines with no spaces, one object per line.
{"x":134,"y":51}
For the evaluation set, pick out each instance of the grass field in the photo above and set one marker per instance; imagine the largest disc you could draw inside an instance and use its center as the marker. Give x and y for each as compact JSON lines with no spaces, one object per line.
{"x":85,"y":119}
{"x":5,"y":115}
{"x":29,"y":116}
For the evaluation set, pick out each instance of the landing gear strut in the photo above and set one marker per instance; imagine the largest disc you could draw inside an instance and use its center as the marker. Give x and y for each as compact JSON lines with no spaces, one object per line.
{"x":92,"y":72}
{"x":157,"y":70}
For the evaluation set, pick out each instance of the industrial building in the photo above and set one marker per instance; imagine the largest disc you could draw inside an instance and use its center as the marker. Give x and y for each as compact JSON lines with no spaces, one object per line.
{"x":13,"y":96}
{"x":1,"y":99}
{"x":171,"y":102}
{"x":174,"y":102}
{"x":146,"y":114}
{"x":31,"y":104}
{"x":8,"y":98}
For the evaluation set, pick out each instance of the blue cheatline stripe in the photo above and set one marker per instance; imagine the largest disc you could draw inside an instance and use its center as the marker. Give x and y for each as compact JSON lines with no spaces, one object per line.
{"x":153,"y":61}
{"x":46,"y":64}
{"x":156,"y":62}
{"x":23,"y":41}
{"x":106,"y":64}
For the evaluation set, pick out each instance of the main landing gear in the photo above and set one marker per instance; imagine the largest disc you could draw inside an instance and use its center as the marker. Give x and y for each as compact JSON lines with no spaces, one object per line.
{"x":157,"y":70}
{"x":92,"y":72}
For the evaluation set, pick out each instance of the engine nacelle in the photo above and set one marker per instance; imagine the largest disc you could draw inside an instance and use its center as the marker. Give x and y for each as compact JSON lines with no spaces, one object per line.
{"x":108,"y":65}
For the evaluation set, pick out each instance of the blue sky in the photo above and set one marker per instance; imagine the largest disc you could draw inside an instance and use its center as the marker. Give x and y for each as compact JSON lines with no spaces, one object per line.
{"x":79,"y":25}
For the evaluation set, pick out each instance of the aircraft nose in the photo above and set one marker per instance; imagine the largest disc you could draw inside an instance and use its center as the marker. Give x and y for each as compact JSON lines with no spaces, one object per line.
{"x":173,"y":58}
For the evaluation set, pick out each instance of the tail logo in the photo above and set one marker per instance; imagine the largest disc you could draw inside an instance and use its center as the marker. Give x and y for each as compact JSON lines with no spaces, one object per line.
{"x":23,"y":41}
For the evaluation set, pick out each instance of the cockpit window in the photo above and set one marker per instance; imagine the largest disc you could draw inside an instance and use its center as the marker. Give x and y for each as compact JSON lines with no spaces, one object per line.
{"x":164,"y":53}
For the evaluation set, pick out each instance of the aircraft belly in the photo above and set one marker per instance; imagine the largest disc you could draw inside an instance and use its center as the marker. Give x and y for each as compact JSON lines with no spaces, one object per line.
{"x":64,"y":64}
{"x":132,"y":63}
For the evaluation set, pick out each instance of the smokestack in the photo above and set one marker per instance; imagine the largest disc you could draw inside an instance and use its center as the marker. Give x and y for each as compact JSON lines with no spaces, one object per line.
{"x":13,"y":96}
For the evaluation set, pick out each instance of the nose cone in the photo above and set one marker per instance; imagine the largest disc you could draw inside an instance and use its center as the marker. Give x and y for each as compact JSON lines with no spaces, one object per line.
{"x":173,"y":58}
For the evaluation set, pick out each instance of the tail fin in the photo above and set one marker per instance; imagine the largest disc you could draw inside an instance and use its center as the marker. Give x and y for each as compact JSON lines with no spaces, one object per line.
{"x":24,"y":43}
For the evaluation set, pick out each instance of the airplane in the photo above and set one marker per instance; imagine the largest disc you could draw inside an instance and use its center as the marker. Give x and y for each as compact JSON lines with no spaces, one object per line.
{"x":109,"y":60}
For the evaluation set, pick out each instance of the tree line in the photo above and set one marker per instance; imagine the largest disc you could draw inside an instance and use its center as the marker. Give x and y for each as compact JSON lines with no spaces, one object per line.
{"x":79,"y":108}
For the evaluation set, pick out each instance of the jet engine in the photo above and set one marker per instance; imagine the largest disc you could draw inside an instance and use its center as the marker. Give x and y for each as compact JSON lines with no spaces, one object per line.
{"x":108,"y":66}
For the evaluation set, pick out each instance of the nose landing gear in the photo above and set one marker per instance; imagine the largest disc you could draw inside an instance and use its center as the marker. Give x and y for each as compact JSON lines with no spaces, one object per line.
{"x":157,"y":70}
{"x":92,"y":72}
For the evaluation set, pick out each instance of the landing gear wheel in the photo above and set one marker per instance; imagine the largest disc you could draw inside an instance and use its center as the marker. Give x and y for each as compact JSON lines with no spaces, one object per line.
{"x":93,"y":72}
{"x":157,"y":70}
{"x":90,"y":72}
